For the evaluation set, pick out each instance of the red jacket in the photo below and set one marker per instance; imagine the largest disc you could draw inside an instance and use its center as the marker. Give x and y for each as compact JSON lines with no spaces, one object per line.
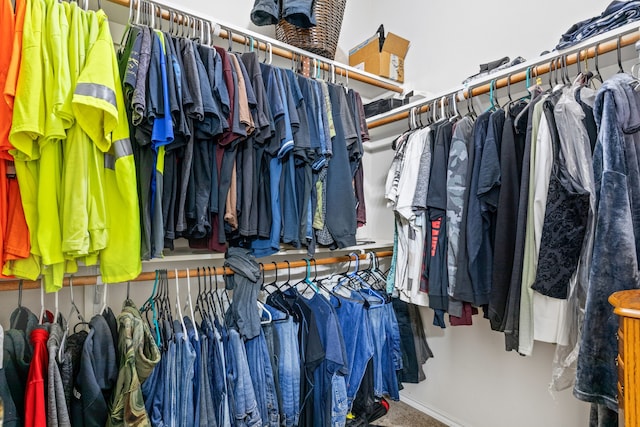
{"x":35,"y":408}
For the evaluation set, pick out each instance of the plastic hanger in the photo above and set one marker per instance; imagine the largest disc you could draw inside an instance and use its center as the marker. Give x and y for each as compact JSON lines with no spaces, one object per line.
{"x":179,"y":308}
{"x":149,"y":305}
{"x":263,"y":310}
{"x":307,"y":278}
{"x":454,"y":105}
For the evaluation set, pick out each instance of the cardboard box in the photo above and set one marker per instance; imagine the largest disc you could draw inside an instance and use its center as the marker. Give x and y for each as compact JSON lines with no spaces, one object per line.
{"x":387,"y":61}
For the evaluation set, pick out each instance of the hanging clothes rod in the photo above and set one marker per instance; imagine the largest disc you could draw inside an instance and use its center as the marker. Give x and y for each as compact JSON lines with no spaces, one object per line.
{"x":14,"y":284}
{"x":518,"y":74}
{"x":278,"y":48}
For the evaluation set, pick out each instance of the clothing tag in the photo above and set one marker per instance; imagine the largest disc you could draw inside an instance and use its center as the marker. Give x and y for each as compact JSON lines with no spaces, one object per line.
{"x":11,"y":169}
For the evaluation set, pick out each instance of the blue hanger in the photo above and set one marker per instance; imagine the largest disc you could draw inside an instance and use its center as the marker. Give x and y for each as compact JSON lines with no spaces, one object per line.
{"x":150,"y":304}
{"x":307,"y":280}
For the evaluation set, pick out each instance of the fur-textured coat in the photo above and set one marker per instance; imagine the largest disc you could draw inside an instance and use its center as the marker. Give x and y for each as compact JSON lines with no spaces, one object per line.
{"x":616,"y":248}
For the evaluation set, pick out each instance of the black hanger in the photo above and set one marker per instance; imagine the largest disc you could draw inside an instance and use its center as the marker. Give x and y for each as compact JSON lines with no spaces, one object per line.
{"x":597,"y":76}
{"x":470,"y":107}
{"x":619,"y":53}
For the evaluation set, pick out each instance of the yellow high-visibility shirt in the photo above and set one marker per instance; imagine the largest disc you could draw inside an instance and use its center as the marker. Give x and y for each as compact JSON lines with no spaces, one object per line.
{"x":98,"y":94}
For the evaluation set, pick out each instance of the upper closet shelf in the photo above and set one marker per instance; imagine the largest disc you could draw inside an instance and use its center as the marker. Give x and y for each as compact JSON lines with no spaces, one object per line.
{"x":367,"y":84}
{"x":612,"y":41}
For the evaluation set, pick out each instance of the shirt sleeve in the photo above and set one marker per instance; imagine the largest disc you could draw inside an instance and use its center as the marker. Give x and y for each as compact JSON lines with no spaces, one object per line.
{"x":94,"y":97}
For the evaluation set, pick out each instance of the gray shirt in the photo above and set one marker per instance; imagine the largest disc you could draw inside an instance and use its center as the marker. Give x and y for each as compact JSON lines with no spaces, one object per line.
{"x":57,"y":411}
{"x":457,"y":188}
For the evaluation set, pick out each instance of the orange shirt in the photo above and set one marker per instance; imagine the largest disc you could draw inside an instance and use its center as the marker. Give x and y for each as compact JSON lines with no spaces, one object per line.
{"x":14,"y":233}
{"x":6,"y":43}
{"x":16,"y":52}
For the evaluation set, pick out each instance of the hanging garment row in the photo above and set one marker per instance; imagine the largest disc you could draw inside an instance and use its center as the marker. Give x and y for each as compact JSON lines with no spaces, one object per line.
{"x":242,"y":352}
{"x":176,"y":138}
{"x":232,"y":151}
{"x":64,"y":127}
{"x":526,"y":210}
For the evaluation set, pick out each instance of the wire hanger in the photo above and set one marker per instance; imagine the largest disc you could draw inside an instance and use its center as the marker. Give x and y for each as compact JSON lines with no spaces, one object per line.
{"x":230,"y":40}
{"x":619,"y":54}
{"x":597,"y":76}
{"x":20,"y":285}
{"x":41,"y":316}
{"x":56,"y":298}
{"x":74,"y":309}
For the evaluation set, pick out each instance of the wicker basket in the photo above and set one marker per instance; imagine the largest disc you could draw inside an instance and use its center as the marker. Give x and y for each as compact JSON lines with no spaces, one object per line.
{"x":321,"y":39}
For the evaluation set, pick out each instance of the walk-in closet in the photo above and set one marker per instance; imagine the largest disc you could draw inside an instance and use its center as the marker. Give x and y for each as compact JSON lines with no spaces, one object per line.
{"x":319,"y":213}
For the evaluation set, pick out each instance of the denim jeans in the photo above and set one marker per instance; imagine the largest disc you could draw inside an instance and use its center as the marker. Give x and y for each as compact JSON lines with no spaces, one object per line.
{"x":356,"y":330}
{"x":217,"y":368}
{"x":197,"y":364}
{"x":299,"y":13}
{"x":339,"y":401}
{"x":288,"y":357}
{"x":263,"y":382}
{"x":271,"y":340}
{"x":171,"y":385}
{"x":384,"y":357}
{"x":393,"y":335}
{"x":207,"y":414}
{"x":184,"y":368}
{"x":153,"y":394}
{"x":265,"y":12}
{"x":245,"y":408}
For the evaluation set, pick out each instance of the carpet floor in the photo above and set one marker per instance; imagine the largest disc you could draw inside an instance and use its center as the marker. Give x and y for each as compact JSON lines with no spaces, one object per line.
{"x":402,"y":415}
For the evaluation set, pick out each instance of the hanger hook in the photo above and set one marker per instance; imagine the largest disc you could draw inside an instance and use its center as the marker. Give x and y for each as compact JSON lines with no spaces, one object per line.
{"x":288,"y":270}
{"x":275,"y":271}
{"x":454,"y":103}
{"x":596,"y":61}
{"x":509,"y":88}
{"x":619,"y":53}
{"x":20,"y":285}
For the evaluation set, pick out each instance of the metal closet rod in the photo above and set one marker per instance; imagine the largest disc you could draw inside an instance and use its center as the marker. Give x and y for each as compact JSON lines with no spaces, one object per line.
{"x":323,"y":63}
{"x":14,"y":284}
{"x":520,"y":76}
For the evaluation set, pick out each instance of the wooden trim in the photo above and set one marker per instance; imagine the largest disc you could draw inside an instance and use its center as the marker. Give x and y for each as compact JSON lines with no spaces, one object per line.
{"x":13,"y":284}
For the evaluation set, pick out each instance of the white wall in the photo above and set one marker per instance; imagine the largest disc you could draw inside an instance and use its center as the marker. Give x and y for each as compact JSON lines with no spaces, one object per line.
{"x":449,"y":39}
